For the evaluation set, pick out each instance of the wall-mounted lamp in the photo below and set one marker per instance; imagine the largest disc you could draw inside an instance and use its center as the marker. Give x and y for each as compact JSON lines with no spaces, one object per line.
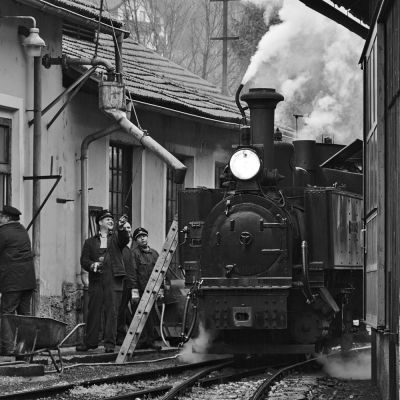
{"x":33,"y":43}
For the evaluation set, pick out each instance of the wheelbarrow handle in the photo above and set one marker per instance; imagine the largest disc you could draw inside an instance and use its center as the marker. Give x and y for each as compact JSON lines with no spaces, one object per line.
{"x":69,"y":334}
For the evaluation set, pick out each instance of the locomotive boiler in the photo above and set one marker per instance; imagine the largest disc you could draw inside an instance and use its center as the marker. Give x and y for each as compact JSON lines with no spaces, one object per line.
{"x":273,"y":259}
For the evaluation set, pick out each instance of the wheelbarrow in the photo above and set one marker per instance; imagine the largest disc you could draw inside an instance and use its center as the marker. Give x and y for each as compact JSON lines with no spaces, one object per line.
{"x":35,"y":335}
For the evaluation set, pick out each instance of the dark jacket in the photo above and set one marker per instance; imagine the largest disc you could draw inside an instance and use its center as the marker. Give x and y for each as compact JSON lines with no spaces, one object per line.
{"x":129,"y":269}
{"x":17,"y":271}
{"x":113,"y":255}
{"x":143,"y":264}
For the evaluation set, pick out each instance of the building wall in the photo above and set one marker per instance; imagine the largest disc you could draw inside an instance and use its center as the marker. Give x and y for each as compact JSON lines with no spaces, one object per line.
{"x":382,"y":191}
{"x":200,"y":146}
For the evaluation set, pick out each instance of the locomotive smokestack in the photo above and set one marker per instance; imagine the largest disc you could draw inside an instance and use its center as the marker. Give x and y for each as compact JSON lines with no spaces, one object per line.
{"x":262,"y":103}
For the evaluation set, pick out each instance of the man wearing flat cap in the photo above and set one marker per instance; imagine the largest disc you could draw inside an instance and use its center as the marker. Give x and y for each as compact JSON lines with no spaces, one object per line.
{"x":144,"y":259}
{"x":17,"y":272}
{"x":102,"y":258}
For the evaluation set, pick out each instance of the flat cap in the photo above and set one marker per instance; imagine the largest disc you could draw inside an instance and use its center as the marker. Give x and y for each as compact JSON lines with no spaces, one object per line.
{"x":139,"y":231}
{"x":103,"y":214}
{"x":9,"y":210}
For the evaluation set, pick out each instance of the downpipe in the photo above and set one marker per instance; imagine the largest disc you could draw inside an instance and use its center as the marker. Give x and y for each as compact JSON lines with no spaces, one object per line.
{"x":36,"y":155}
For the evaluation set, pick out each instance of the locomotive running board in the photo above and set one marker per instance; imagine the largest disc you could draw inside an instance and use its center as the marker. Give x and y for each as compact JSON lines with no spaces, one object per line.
{"x":149,"y":296}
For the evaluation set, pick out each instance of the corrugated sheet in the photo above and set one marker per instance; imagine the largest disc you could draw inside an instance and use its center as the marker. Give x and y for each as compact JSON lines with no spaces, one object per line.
{"x":157,"y":80}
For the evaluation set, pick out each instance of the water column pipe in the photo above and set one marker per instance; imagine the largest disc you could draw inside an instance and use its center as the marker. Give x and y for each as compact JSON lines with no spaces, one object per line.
{"x":149,"y":143}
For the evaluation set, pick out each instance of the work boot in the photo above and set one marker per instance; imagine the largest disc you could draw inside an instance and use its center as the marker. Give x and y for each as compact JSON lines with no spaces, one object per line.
{"x":155,"y":346}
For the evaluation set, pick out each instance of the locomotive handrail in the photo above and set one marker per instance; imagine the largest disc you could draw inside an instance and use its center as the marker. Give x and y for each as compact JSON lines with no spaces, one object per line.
{"x":307,"y":290}
{"x":274,"y":225}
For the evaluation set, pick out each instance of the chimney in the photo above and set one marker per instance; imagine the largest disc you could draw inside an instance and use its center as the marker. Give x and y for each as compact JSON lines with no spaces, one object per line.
{"x":262,"y":103}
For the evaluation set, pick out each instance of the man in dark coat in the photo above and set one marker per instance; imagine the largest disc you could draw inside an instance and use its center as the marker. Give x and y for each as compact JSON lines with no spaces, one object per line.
{"x":144,"y":259}
{"x":17,"y":272}
{"x":124,"y":313}
{"x":102,"y":258}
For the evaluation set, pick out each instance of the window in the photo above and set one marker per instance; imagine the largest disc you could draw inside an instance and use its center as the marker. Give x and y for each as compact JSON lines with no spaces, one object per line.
{"x":5,"y":164}
{"x":92,"y":220}
{"x":120,"y":185}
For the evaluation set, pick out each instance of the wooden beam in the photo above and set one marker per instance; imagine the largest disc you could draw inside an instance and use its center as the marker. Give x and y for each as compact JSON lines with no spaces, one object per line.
{"x":338,"y":16}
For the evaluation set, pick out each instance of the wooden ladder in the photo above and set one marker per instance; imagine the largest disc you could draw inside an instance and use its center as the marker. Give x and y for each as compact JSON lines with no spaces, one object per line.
{"x":149,"y":296}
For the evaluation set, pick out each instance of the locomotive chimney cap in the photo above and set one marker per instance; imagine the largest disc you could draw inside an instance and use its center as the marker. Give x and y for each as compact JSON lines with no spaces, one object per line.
{"x":262,"y":96}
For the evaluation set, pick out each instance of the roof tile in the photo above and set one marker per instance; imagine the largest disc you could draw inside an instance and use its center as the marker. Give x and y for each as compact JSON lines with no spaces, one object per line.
{"x":155,"y":79}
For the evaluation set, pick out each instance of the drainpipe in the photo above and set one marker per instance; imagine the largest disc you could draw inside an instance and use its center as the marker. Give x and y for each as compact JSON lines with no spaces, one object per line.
{"x":118,"y":41}
{"x":37,"y":141}
{"x":149,"y":143}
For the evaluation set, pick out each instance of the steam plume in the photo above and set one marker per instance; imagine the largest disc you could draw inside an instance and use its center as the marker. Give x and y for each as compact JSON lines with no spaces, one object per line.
{"x":355,"y":367}
{"x":195,"y":349}
{"x":313,"y":62}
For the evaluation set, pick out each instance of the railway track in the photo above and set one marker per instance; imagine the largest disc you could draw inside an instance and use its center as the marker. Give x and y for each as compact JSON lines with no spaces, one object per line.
{"x":178,"y":379}
{"x":50,"y":392}
{"x":289,"y":382}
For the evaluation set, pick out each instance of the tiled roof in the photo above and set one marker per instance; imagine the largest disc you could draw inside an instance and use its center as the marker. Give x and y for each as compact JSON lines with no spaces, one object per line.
{"x":82,"y":7}
{"x":154,"y":79}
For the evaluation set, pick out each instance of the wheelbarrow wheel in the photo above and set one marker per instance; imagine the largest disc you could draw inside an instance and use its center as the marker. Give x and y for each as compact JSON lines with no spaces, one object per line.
{"x":20,"y":350}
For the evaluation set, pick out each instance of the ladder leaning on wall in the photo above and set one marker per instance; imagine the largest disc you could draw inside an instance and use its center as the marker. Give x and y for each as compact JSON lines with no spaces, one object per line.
{"x":149,"y":296}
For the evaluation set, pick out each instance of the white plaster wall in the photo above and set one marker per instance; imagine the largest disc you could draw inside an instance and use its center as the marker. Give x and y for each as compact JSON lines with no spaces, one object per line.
{"x":60,"y":237}
{"x":16,"y":96}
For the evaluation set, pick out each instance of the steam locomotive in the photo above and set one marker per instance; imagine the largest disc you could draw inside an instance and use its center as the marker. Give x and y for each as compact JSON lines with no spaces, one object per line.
{"x":273,"y":259}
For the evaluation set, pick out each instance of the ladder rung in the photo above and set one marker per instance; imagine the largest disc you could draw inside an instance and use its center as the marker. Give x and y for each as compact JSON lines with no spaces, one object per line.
{"x":151,"y":290}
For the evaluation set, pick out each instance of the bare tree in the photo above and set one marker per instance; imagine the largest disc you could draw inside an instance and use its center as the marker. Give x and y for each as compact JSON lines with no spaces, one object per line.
{"x":181,"y":30}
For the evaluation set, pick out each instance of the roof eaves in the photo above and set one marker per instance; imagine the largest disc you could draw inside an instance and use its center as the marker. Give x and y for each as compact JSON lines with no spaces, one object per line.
{"x":80,"y":16}
{"x":338,"y":16}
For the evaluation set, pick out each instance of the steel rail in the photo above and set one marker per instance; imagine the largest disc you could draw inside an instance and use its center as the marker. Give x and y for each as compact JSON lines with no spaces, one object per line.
{"x":51,"y":391}
{"x":260,"y":392}
{"x":267,"y":384}
{"x":181,"y":387}
{"x":220,"y":379}
{"x":204,"y":382}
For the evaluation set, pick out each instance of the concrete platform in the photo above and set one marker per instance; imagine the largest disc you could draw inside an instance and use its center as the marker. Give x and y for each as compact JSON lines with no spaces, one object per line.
{"x":22,"y":369}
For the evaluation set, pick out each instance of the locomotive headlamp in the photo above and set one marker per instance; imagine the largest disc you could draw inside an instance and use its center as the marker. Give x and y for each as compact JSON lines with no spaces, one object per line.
{"x":245,"y":164}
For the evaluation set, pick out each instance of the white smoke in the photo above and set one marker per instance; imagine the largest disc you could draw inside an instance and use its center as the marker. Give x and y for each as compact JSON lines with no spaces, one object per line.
{"x":355,"y":367}
{"x":195,"y":350}
{"x":313,"y":62}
